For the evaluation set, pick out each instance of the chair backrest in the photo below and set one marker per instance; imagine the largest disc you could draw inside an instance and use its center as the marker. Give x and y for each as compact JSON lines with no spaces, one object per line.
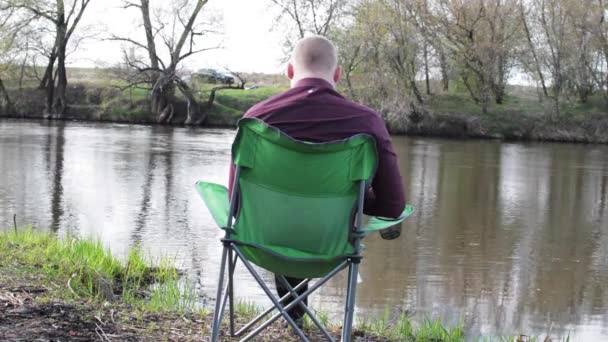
{"x":297,"y":199}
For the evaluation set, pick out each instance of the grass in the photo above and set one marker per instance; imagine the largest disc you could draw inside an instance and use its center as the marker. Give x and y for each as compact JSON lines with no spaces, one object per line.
{"x":405,"y":330}
{"x":231,"y":104}
{"x":247,"y":309}
{"x":462,"y":103}
{"x":91,"y":272}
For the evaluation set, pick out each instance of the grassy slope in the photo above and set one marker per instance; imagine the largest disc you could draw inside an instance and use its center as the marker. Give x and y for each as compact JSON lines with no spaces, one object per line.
{"x":231,"y":104}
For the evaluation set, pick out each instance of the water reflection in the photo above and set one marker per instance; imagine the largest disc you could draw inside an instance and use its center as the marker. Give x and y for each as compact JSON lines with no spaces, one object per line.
{"x":54,"y":159}
{"x":507,"y":238}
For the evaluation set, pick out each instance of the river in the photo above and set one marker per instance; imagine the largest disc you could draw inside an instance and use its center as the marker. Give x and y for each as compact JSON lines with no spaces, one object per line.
{"x":507,"y":238}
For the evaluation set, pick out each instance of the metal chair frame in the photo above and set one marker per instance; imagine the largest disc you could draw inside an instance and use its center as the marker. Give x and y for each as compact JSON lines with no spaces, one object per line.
{"x":231,"y":254}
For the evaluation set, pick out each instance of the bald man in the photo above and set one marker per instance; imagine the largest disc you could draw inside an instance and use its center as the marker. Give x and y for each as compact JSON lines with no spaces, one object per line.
{"x":312,"y":110}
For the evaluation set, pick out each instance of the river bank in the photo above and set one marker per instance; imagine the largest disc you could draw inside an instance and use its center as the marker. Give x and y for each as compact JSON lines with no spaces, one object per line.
{"x":452,"y":116}
{"x":73,"y":289}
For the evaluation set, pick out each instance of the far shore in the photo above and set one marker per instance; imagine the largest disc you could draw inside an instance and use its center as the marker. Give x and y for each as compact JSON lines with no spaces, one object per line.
{"x":445,"y":116}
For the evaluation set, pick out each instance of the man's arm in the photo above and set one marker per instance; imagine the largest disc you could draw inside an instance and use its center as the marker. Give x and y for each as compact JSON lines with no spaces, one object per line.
{"x":386,"y":197}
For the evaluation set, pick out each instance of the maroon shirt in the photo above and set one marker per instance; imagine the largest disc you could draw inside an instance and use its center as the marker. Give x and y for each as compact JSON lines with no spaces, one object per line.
{"x":313,"y":111}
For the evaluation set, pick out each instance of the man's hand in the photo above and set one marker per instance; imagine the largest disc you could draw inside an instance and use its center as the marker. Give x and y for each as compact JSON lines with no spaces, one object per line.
{"x":391,"y":232}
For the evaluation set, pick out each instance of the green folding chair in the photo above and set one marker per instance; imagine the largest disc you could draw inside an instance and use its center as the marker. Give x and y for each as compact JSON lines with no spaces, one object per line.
{"x":292,"y":212}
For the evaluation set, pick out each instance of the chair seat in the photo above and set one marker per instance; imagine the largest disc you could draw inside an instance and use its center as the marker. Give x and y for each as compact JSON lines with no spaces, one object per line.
{"x":289,"y":262}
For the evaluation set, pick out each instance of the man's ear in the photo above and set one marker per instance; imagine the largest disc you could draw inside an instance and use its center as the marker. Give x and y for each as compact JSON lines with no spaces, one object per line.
{"x":290,"y":71}
{"x":337,"y":74}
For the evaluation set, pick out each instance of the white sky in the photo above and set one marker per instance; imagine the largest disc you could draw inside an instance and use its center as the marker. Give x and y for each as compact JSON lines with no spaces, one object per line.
{"x":249,"y":44}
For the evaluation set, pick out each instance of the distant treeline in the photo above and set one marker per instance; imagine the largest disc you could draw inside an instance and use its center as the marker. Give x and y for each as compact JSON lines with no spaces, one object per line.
{"x":397,"y":53}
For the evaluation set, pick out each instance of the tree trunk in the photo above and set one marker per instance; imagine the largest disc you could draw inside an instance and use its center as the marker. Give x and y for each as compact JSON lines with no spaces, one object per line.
{"x":50,"y":92}
{"x":23,"y":66}
{"x":349,"y":70}
{"x":8,"y":105}
{"x":145,"y":12}
{"x":413,"y":85}
{"x":163,"y":95}
{"x":499,"y":86}
{"x":465,"y":81}
{"x":533,"y":51}
{"x":195,"y":116}
{"x":211,"y":98}
{"x":426,"y":68}
{"x":48,"y":72}
{"x":349,"y":84}
{"x":59,"y":98}
{"x":443,"y":65}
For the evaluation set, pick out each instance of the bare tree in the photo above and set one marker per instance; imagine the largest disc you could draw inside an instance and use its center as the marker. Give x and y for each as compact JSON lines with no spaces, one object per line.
{"x":548,"y":24}
{"x":7,"y":38}
{"x":351,"y":47}
{"x":13,"y":29}
{"x":481,"y":36}
{"x":581,"y":69}
{"x":600,"y":34}
{"x":420,"y":16}
{"x":64,"y":17}
{"x":371,"y":32}
{"x":537,"y":65}
{"x":304,"y":17}
{"x":402,"y":53}
{"x":177,"y":31}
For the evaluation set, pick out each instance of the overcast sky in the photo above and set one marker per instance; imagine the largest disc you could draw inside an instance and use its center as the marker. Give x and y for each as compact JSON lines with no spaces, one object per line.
{"x":249,"y":43}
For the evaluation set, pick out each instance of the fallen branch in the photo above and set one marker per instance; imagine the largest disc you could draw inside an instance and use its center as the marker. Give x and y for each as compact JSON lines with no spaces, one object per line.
{"x":102,"y":335}
{"x":70,"y":286}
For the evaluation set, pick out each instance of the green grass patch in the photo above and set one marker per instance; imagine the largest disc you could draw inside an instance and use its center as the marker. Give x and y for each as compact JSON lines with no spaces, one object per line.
{"x":242,"y":100}
{"x":239,"y":100}
{"x":462,"y":103}
{"x":89,"y":271}
{"x":403,"y":329}
{"x":230,"y":104}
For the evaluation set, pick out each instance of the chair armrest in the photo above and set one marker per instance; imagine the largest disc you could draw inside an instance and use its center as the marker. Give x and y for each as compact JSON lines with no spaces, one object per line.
{"x":216,"y":200}
{"x":378,"y":223}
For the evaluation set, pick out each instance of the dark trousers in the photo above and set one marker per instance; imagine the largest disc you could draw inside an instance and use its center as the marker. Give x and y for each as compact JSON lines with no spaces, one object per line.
{"x":296,"y":313}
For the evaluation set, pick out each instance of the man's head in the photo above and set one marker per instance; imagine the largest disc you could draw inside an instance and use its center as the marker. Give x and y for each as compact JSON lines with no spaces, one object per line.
{"x":314,"y":56}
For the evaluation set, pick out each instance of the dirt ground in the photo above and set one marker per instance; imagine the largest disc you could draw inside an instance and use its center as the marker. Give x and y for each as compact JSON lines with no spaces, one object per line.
{"x":28,"y":312}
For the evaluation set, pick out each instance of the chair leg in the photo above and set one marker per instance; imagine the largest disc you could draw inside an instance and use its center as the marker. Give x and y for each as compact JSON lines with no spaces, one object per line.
{"x":217,"y":314}
{"x":349,"y":307}
{"x":294,"y":301}
{"x":231,"y":264}
{"x":270,"y":295}
{"x":270,"y":309}
{"x":305,"y":308}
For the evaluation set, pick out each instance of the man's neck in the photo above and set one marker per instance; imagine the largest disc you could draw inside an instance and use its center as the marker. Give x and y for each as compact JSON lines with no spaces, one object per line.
{"x":295,"y":80}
